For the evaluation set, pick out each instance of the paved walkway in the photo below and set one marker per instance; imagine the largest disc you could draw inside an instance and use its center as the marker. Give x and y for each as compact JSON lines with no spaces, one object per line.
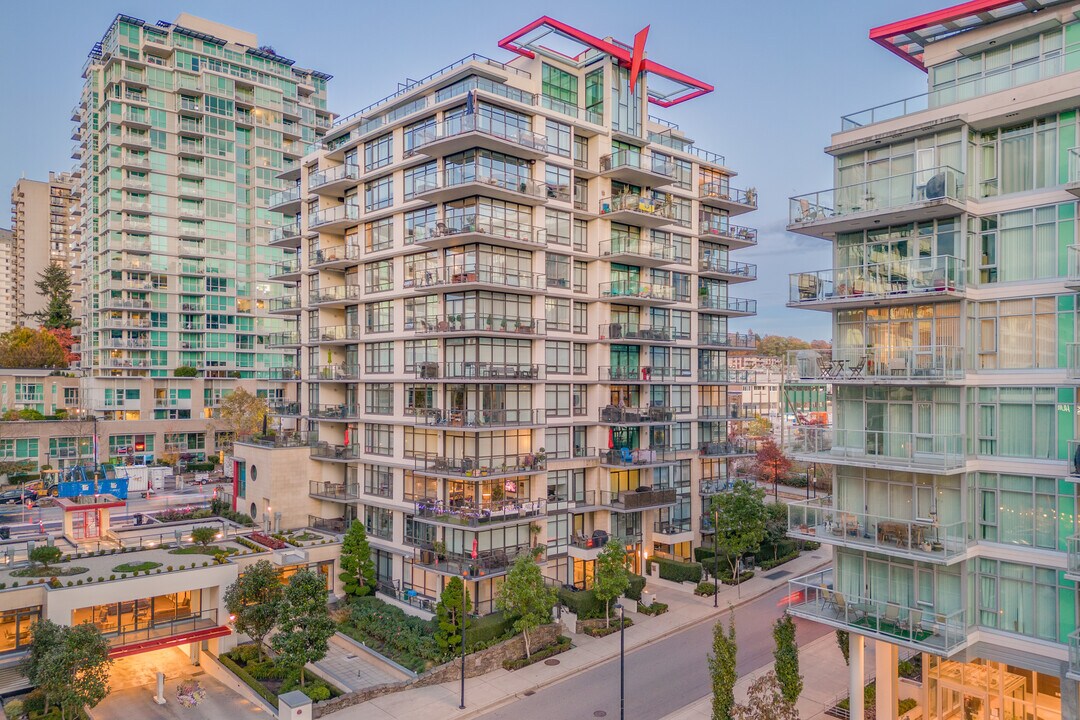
{"x":350,"y":668}
{"x":485,"y":693}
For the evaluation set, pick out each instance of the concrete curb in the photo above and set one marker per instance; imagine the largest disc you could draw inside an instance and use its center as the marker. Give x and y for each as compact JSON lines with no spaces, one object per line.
{"x":677,"y":629}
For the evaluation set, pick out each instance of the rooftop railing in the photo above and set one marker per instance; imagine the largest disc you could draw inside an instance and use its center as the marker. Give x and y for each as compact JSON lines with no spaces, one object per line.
{"x":932,"y":184}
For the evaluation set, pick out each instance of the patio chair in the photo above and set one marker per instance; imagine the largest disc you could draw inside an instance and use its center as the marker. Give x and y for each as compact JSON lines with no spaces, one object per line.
{"x":827,"y":598}
{"x":857,"y":369}
{"x":825,"y":367}
{"x":892,"y":615}
{"x":912,"y":623}
{"x":840,"y":604}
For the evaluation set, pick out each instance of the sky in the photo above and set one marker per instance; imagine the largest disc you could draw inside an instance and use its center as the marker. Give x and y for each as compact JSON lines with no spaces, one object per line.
{"x":784,"y":73}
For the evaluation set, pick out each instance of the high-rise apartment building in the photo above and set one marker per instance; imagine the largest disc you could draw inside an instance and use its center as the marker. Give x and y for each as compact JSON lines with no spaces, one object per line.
{"x":511,"y":319}
{"x":953,"y":225}
{"x":184,"y":127}
{"x":7,"y":272}
{"x":45,"y":226}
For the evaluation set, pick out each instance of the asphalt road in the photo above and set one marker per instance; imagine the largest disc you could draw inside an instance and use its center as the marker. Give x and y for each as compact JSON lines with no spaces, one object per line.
{"x":661,"y":677}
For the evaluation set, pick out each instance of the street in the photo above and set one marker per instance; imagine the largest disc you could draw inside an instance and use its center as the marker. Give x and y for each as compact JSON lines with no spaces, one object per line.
{"x":662,"y":677}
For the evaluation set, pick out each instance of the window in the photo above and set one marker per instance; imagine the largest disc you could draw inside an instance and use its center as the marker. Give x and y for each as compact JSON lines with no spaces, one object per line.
{"x":378,"y":481}
{"x":380,"y":357}
{"x":558,"y":270}
{"x":557,"y":311}
{"x":379,"y":194}
{"x":378,"y":152}
{"x":558,"y":138}
{"x":558,"y":226}
{"x":379,"y":317}
{"x":379,"y":522}
{"x":557,"y":356}
{"x":559,"y":84}
{"x":1021,"y":510}
{"x":378,"y":439}
{"x":421,"y":179}
{"x":379,"y":276}
{"x":557,"y":180}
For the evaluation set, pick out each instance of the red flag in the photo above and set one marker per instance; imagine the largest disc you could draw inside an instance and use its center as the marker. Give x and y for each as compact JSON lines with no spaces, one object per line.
{"x":474,"y":554}
{"x":346,"y":435}
{"x":611,"y":438}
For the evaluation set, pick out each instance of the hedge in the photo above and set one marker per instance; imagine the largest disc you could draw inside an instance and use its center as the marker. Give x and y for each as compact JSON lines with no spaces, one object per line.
{"x":582,"y":603}
{"x":770,"y":564}
{"x":487,"y":630}
{"x":657,"y":608}
{"x":248,"y":680}
{"x":562,"y":644}
{"x":677,"y":571}
{"x":637,"y":584}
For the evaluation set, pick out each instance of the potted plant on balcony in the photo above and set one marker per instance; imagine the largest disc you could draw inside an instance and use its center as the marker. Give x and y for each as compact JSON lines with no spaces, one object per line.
{"x":439,"y":548}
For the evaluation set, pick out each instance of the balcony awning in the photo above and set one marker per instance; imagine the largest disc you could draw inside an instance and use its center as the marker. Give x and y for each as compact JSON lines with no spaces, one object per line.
{"x":909,"y":38}
{"x":169,"y":641}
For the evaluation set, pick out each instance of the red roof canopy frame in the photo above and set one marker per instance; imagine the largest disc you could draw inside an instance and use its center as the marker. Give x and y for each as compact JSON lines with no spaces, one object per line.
{"x":526,"y":42}
{"x":909,"y":38}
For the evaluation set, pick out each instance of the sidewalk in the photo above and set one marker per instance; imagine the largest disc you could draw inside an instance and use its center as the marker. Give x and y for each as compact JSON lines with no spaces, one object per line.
{"x":485,"y":693}
{"x":818,"y":663}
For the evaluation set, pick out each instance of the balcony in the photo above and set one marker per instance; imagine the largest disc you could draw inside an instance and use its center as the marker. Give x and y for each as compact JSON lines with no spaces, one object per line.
{"x":333,"y":181}
{"x":640,"y":334}
{"x":480,"y":420}
{"x":635,"y":292}
{"x":482,"y":465}
{"x":482,"y":514}
{"x":487,"y":563}
{"x":469,"y":131}
{"x":635,"y":251}
{"x":644,"y":374}
{"x":815,"y":597}
{"x":866,"y":365}
{"x":339,"y":411}
{"x":333,"y":257}
{"x":736,"y":341}
{"x":336,"y":453}
{"x":1073,"y":672}
{"x":670,"y":532}
{"x":334,"y":219}
{"x":921,"y":195}
{"x":287,"y":235}
{"x":476,"y":277}
{"x":707,"y":487}
{"x":465,"y":180}
{"x":338,"y":492}
{"x":286,"y":271}
{"x":724,"y":197}
{"x":336,"y":525}
{"x":284,"y":407}
{"x":735,"y":448}
{"x":285,"y":201}
{"x":643,"y":498}
{"x":723,"y":269}
{"x":616,"y":415}
{"x":637,"y":210}
{"x":335,"y":296}
{"x":473,"y":227}
{"x":286,"y":304}
{"x":334,"y":373}
{"x":334,"y":334}
{"x":723,"y":376}
{"x":130,"y":638}
{"x":283,"y":374}
{"x":479,"y":324}
{"x":137,"y":119}
{"x":922,"y":452}
{"x":638,"y":167}
{"x":924,"y":540}
{"x":899,"y":282}
{"x":637,"y":458}
{"x":285,"y":338}
{"x":730,"y":306}
{"x":480,"y":371}
{"x":735,"y":237}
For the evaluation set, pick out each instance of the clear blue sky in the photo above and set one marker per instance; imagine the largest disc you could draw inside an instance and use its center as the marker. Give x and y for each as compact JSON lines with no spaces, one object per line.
{"x":784,"y":72}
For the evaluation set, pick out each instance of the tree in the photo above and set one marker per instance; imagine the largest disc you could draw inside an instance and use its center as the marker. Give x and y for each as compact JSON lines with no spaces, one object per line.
{"x":45,"y":554}
{"x":740,"y":522}
{"x":779,"y":346}
{"x":242,"y":413}
{"x":771,"y":463}
{"x":786,"y":656}
{"x":253,"y":601}
{"x":722,"y":669}
{"x":357,"y":568}
{"x":842,"y":641}
{"x":524,"y":595}
{"x":759,"y":426}
{"x":204,"y":535}
{"x":67,"y":341}
{"x":765,"y":701}
{"x":448,"y":617}
{"x":54,"y":284}
{"x":25,"y":347}
{"x":776,"y":526}
{"x":611,"y":578}
{"x":70,"y":665}
{"x":304,"y":624}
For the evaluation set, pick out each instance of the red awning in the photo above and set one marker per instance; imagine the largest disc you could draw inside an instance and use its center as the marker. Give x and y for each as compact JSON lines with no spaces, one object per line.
{"x":169,"y":641}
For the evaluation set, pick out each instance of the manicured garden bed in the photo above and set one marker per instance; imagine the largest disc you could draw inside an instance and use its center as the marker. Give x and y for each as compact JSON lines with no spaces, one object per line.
{"x":134,"y":567}
{"x":596,"y":628}
{"x":560,"y":646}
{"x":657,"y":608}
{"x":203,"y":550}
{"x":40,"y":571}
{"x":268,"y":680}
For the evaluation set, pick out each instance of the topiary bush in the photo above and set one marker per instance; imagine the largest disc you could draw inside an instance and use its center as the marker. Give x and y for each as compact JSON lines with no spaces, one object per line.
{"x":676,"y":571}
{"x":706,"y":589}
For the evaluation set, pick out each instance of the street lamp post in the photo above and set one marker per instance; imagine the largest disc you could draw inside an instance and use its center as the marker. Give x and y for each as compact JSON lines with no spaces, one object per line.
{"x":464,"y":596}
{"x":622,"y":660}
{"x":716,"y":558}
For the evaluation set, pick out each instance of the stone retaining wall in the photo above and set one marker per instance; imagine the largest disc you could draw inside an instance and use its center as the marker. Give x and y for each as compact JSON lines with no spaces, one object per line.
{"x":476,"y":664}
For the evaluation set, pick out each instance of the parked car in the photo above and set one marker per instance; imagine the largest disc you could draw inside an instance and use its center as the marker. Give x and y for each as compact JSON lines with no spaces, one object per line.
{"x":17,"y":496}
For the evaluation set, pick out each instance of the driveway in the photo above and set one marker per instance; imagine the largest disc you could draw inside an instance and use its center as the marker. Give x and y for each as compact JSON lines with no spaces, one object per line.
{"x":134,"y":683}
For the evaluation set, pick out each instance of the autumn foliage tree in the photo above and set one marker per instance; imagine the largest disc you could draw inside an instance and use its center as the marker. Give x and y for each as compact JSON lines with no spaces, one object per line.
{"x":242,"y":413}
{"x":28,"y":348}
{"x":771,"y":463}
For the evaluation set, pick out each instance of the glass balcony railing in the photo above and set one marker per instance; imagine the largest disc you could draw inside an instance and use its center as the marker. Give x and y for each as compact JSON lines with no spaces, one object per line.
{"x":723,"y":266}
{"x":719,"y":191}
{"x":816,"y":597}
{"x":918,"y":277}
{"x":643,"y":373}
{"x":922,"y":539}
{"x":334,"y":333}
{"x":484,"y":125}
{"x":960,"y":91}
{"x":491,"y":562}
{"x":332,"y":411}
{"x":637,"y":289}
{"x":326,"y":451}
{"x":476,"y":173}
{"x":468,"y":322}
{"x":341,"y":173}
{"x":284,"y":407}
{"x":477,"y":223}
{"x":727,"y":304}
{"x":286,"y":267}
{"x":880,"y":448}
{"x":637,"y":160}
{"x":285,"y":303}
{"x":639,"y":457}
{"x":458,"y":418}
{"x":638,"y":204}
{"x":641,"y":498}
{"x":334,"y":372}
{"x":284,"y":196}
{"x":285,"y":337}
{"x":1072,"y":276}
{"x":741,"y":341}
{"x":480,"y":371}
{"x":735,"y":447}
{"x":865,"y":364}
{"x":618,"y":415}
{"x":333,"y":491}
{"x":896,"y":191}
{"x":477,"y":514}
{"x":321,"y":255}
{"x":1074,"y":655}
{"x":1073,"y":557}
{"x":722,"y":230}
{"x":133,"y":633}
{"x":337,"y":293}
{"x":632,"y":332}
{"x":482,"y":465}
{"x":285,"y":232}
{"x":483,"y":274}
{"x":341,"y":214}
{"x":723,"y":376}
{"x":664,"y":252}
